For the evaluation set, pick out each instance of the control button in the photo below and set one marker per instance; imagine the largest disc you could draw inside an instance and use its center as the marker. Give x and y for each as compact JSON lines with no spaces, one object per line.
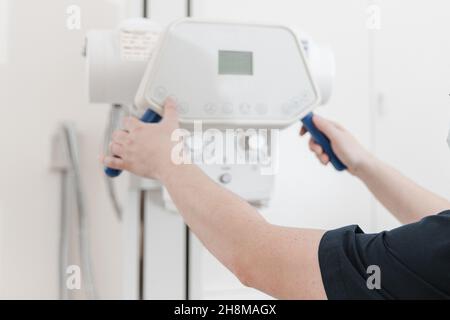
{"x":160,"y":94}
{"x":173,"y":98}
{"x":244,"y":108}
{"x":227,"y":108}
{"x":296,"y":103}
{"x":261,"y":108}
{"x":306,"y":95}
{"x":210,"y":108}
{"x":182,"y":107}
{"x":225,"y":178}
{"x":305,"y":98}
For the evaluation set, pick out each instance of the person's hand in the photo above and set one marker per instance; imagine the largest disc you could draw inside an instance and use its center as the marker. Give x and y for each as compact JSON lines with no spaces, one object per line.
{"x":144,"y":148}
{"x":344,"y":145}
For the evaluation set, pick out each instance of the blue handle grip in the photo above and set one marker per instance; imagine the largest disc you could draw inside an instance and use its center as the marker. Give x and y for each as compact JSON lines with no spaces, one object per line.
{"x":149,"y":116}
{"x":323,"y":141}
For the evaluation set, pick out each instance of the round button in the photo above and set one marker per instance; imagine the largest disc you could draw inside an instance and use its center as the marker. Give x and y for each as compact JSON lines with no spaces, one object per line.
{"x":244,"y":108}
{"x":209,"y":108}
{"x":261,"y":108}
{"x":160,"y":93}
{"x":182,"y":107}
{"x":291,"y":107}
{"x":305,"y":98}
{"x":296,"y":104}
{"x":306,"y":95}
{"x":225,"y":178}
{"x":227,"y":108}
{"x":173,"y":98}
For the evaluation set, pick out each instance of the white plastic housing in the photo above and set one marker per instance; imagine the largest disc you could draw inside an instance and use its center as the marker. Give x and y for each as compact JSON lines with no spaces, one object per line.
{"x":185,"y":66}
{"x":448,"y":139}
{"x":322,"y":65}
{"x":116,"y":60}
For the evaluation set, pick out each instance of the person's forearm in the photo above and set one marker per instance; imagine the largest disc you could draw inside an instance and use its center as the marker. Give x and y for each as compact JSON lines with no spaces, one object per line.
{"x":282,"y":262}
{"x":220,"y":219}
{"x":405,"y":199}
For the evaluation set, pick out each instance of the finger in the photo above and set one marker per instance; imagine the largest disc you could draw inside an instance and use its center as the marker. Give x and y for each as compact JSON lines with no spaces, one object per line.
{"x":117,"y":149}
{"x":329,"y":128}
{"x":314,"y":147}
{"x":318,"y":158}
{"x":170,"y":111}
{"x":113,"y":162}
{"x":324,"y":158}
{"x":131,"y":123}
{"x":120,"y":137}
{"x":303,"y":131}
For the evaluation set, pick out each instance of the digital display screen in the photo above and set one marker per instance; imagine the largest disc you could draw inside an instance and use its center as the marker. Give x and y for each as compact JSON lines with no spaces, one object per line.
{"x":235,"y":62}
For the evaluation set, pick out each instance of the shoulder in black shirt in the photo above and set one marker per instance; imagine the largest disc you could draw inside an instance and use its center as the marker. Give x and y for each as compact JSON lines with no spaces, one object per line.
{"x":413,"y":260}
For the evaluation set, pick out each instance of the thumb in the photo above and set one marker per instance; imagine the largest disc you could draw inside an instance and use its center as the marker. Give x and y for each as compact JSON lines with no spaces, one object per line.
{"x":329,"y":128}
{"x":170,"y":111}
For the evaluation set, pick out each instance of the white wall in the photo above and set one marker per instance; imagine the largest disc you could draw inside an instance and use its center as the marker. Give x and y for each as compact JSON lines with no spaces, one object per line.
{"x":411,"y":103}
{"x":43,"y":83}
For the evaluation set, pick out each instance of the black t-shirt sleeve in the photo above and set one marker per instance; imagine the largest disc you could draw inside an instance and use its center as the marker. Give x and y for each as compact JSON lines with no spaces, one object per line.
{"x":413,"y":260}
